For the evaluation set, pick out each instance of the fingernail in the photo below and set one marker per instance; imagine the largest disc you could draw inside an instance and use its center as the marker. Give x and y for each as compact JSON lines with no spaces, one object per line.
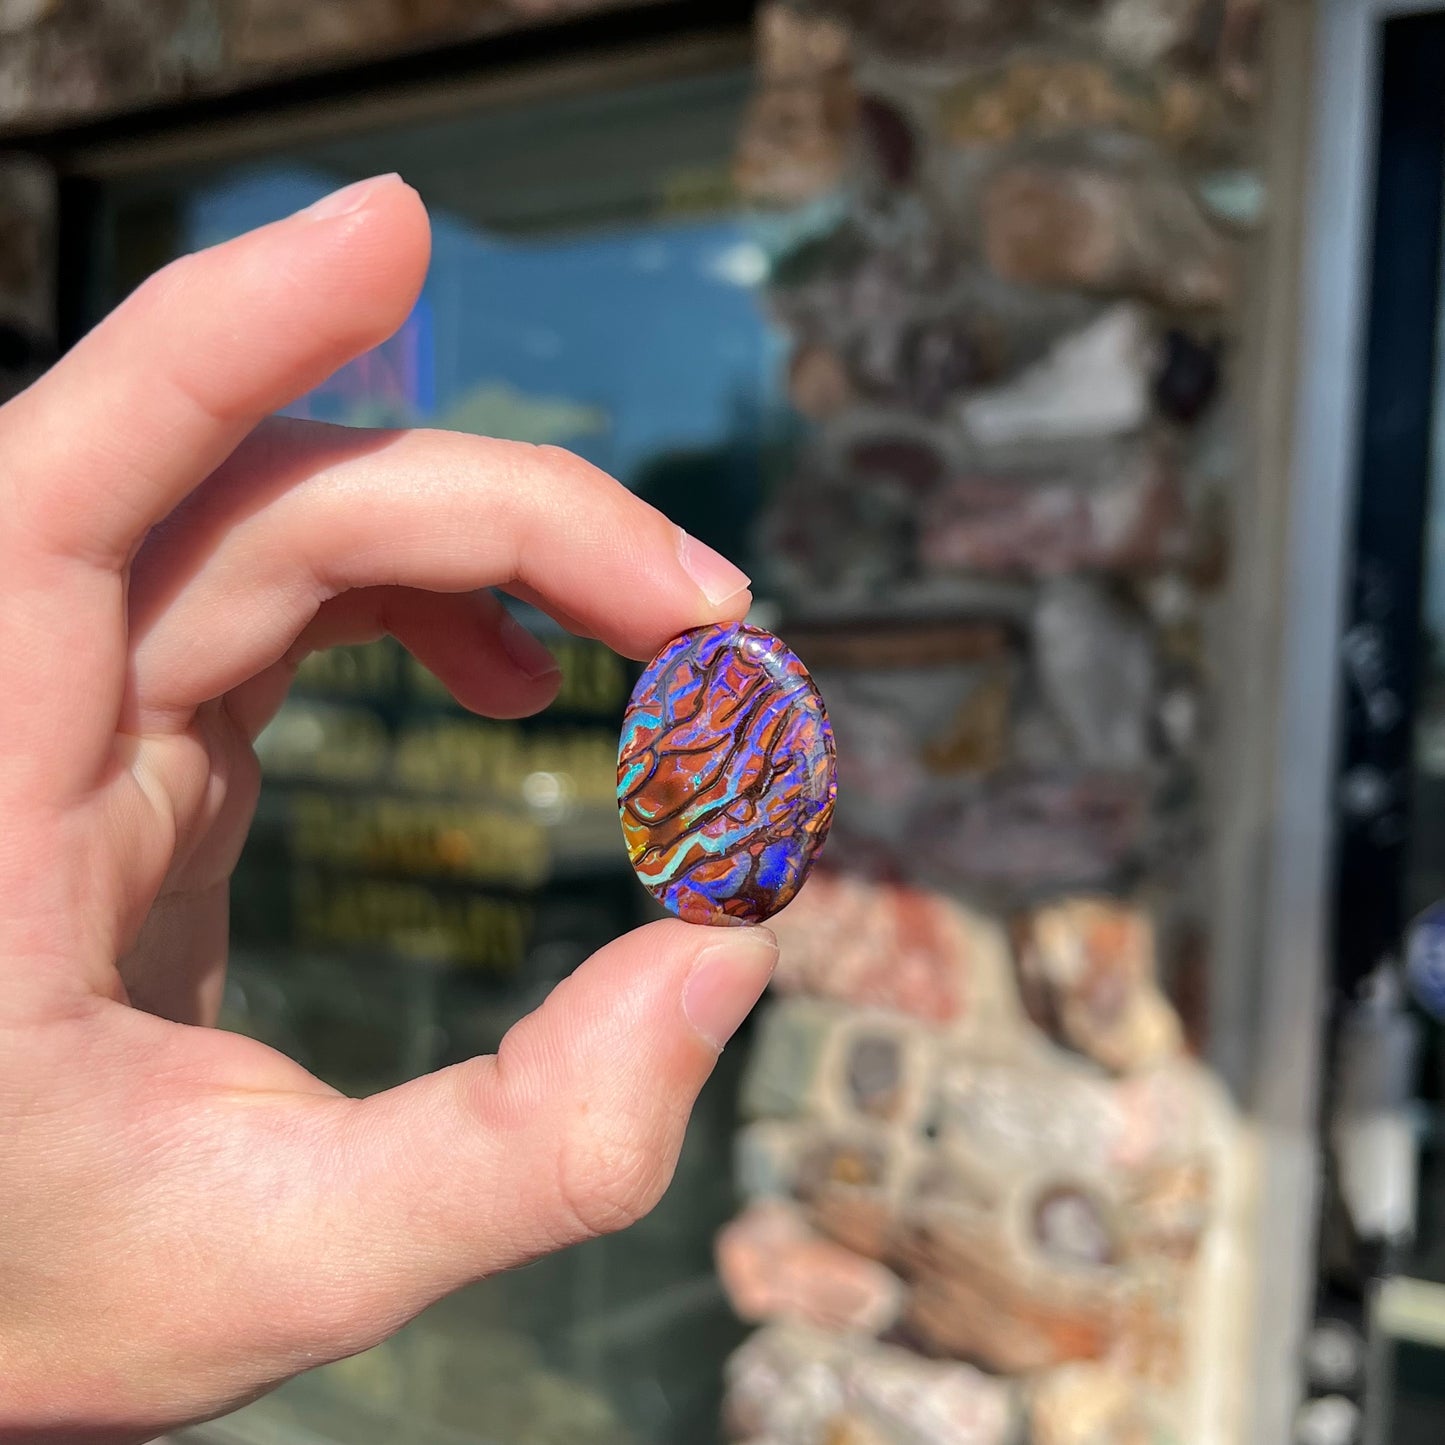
{"x":532,"y":657}
{"x":727,"y":979}
{"x":347,"y":199}
{"x":717,"y":579}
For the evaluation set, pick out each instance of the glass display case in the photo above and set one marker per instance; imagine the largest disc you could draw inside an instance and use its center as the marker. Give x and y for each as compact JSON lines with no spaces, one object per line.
{"x":417,"y":877}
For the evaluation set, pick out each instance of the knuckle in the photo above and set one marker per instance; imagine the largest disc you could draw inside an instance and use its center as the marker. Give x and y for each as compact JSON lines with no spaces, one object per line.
{"x":611,"y":1172}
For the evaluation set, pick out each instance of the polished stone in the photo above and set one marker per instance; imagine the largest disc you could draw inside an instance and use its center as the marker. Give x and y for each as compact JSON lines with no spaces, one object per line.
{"x":725,"y":776}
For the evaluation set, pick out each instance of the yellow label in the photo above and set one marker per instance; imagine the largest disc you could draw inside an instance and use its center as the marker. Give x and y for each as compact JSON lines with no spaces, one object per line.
{"x":488,"y":934}
{"x":417,"y":836}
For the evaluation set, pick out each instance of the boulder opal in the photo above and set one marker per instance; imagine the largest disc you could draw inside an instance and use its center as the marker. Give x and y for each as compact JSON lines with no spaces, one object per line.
{"x":725,"y":775}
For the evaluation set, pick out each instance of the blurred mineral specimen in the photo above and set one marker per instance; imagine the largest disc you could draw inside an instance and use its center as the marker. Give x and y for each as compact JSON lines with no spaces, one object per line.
{"x":1105,"y":230}
{"x":875,"y":1074}
{"x":786,"y":1070}
{"x":976,"y":740}
{"x":1088,"y":967}
{"x":1144,"y":32}
{"x":1167,"y":1210}
{"x":828,"y":541}
{"x":1240,"y":47}
{"x":1124,"y":513}
{"x":1035,"y":831}
{"x":859,"y":1158}
{"x":799,"y":1387}
{"x":934,"y":30}
{"x":1096,"y":1405}
{"x":1095,"y":667}
{"x":887,"y":946}
{"x":1033,"y":97}
{"x":775,"y":1267}
{"x":1036,"y":1111}
{"x":796,"y":135}
{"x":1040,"y":98}
{"x":766,"y":1156}
{"x":930,"y":1402}
{"x":985,"y":1293}
{"x":1093,"y":383}
{"x":862,"y":1217}
{"x":783,"y":1383}
{"x":1037,"y":1283}
{"x":818,"y":383}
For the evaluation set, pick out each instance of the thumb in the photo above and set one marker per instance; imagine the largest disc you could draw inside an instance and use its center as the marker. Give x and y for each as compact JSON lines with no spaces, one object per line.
{"x":571,"y":1130}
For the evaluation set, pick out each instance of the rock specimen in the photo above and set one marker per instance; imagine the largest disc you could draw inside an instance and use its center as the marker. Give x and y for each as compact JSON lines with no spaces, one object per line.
{"x":986,"y":1292}
{"x":1088,"y":968}
{"x":1095,"y":665}
{"x":1086,"y":1404}
{"x":1093,"y":383}
{"x":1104,"y":230}
{"x":1125,"y":514}
{"x":796,"y":135}
{"x":1044,"y":97}
{"x":774,"y":1266}
{"x":796,"y":1386}
{"x":725,"y":776}
{"x":1036,"y":831}
{"x":1036,"y":1110}
{"x":881,"y":945}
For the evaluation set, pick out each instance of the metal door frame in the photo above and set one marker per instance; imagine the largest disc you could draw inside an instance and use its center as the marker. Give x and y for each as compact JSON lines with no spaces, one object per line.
{"x":1294,"y":950}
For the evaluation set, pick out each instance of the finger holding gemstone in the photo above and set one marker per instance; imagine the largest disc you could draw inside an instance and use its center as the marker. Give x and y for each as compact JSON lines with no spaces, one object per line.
{"x":726,"y":775}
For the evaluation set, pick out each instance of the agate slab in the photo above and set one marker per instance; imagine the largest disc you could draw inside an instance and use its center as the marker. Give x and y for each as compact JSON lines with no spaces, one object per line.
{"x":726,"y":775}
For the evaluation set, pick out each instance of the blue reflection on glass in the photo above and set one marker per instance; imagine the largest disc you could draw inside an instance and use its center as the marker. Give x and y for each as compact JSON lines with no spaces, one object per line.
{"x":624,"y":344}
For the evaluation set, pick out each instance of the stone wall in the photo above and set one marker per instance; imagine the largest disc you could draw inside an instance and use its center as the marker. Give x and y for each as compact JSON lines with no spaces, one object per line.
{"x":978,"y":1131}
{"x":70,"y":60}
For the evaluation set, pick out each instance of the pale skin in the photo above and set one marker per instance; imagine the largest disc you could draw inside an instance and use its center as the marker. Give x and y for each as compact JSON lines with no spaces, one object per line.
{"x":187,"y":1217}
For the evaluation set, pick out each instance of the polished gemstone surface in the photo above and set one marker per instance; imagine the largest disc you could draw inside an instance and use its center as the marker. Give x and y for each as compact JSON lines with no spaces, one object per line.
{"x":725,"y":776}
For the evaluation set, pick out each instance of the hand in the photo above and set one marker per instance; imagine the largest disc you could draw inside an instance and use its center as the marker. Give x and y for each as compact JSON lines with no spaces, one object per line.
{"x":186,"y":1216}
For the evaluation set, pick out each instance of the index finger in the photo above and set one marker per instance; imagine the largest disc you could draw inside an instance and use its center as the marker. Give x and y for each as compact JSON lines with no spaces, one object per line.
{"x":106,"y":444}
{"x":304,"y":512}
{"x":150,"y":402}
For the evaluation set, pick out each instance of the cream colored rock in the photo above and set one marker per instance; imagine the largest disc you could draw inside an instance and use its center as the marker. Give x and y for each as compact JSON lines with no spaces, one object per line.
{"x":1088,"y":967}
{"x":796,"y":1386}
{"x":1038,"y":1108}
{"x":1085,"y":1404}
{"x":1094,"y":383}
{"x":1143,"y":32}
{"x":1095,"y":665}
